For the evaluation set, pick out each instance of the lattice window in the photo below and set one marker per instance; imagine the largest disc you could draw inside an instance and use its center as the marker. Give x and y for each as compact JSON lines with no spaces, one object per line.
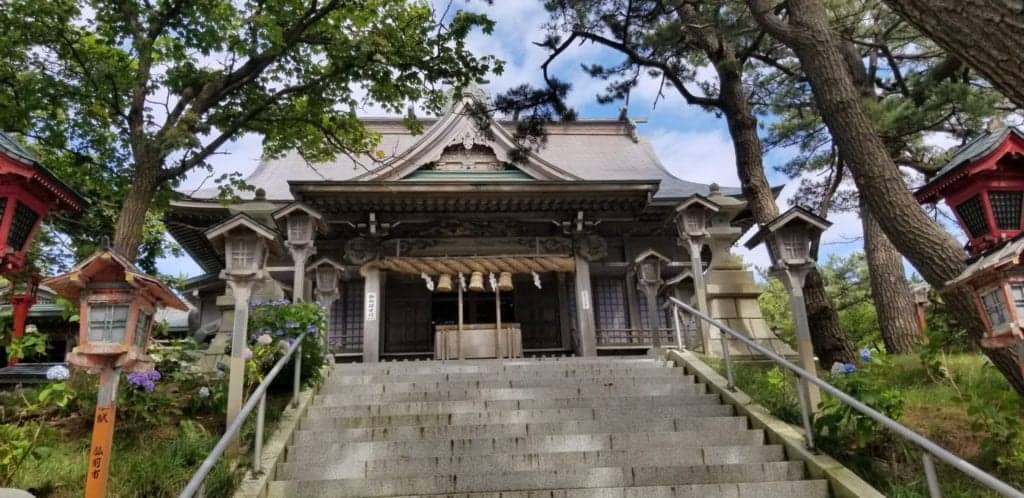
{"x":242,"y":253}
{"x":973,"y":215}
{"x":107,"y":322}
{"x":664,"y":318}
{"x":22,"y":223}
{"x":1006,"y":207}
{"x":995,"y":307}
{"x":610,"y":303}
{"x":346,"y":328}
{"x":1017,"y":293}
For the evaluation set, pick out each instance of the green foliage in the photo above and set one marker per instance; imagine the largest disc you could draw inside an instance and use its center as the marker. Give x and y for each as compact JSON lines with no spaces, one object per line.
{"x":773,"y":388}
{"x":17,"y":445}
{"x":59,"y":394}
{"x":850,"y":436}
{"x":273,"y":327}
{"x":847,"y":284}
{"x":130,"y":96}
{"x":29,"y":346}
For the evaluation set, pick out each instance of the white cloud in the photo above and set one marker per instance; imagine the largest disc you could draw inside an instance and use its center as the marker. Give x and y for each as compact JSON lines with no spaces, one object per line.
{"x":698,"y":156}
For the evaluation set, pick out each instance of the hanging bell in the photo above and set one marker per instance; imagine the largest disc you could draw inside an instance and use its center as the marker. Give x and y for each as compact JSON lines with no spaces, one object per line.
{"x":444,"y":283}
{"x":505,"y":281}
{"x":476,"y":282}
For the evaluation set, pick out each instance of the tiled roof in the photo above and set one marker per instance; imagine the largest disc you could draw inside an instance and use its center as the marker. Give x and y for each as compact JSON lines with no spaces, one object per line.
{"x":973,"y":150}
{"x":588,"y":149}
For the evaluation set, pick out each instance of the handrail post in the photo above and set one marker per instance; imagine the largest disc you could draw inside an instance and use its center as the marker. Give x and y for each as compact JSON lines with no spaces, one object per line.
{"x":298,"y":375}
{"x":932,"y":477}
{"x":727,"y":357}
{"x":809,"y":377}
{"x":805,"y":412}
{"x":679,"y":330}
{"x":257,"y":452}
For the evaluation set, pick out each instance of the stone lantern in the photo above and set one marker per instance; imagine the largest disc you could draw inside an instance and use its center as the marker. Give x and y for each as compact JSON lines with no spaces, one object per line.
{"x":789,"y":238}
{"x":692,"y":219}
{"x":326,"y":274}
{"x":117,"y":305}
{"x":301,"y":223}
{"x":648,"y":266}
{"x":28,"y":191}
{"x":245,"y":244}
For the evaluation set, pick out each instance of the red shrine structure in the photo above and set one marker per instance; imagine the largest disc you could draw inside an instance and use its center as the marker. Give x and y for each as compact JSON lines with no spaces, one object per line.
{"x":28,"y":192}
{"x":984,"y":185}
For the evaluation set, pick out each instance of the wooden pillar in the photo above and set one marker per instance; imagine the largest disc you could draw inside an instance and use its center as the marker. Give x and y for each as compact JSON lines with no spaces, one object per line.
{"x":373,"y":314}
{"x":564,"y":320}
{"x":585,"y":309}
{"x":632,"y":302}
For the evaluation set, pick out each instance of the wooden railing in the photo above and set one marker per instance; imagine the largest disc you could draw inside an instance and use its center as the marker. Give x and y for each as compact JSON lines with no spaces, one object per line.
{"x":633,"y":338}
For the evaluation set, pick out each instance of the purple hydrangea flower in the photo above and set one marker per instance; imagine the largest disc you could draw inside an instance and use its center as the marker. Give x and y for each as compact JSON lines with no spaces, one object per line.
{"x":144,"y":380}
{"x":279,"y":333}
{"x":849,"y":368}
{"x":865,"y":354}
{"x":312,"y":329}
{"x":58,"y":372}
{"x":247,"y":354}
{"x":291,"y":325}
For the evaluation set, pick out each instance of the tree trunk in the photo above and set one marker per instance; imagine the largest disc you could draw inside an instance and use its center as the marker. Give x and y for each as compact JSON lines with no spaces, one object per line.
{"x":830,"y":342}
{"x":897,"y":313}
{"x":132,"y":218}
{"x":827,"y":336}
{"x":986,"y":34}
{"x":935,"y":253}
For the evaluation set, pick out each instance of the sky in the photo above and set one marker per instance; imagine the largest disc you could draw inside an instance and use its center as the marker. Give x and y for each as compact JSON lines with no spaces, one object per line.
{"x":692,"y":144}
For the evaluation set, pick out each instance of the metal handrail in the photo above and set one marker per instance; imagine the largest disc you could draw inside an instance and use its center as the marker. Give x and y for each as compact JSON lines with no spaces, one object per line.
{"x":259,"y":396}
{"x":930,"y":449}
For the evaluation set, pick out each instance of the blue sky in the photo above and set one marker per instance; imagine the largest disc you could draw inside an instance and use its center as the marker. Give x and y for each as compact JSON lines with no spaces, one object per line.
{"x":693,"y":144}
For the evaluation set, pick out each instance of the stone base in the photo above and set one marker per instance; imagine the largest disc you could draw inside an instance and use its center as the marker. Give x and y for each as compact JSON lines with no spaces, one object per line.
{"x":732,"y":299}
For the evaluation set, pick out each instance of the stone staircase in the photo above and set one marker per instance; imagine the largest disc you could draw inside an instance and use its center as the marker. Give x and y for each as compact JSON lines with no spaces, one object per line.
{"x":559,"y":428}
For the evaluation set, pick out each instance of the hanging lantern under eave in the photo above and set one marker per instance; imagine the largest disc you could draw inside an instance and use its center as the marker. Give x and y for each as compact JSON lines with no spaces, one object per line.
{"x":476,"y":282}
{"x":444,"y":283}
{"x":505,"y":282}
{"x":28,"y":192}
{"x":996,"y":282}
{"x":117,"y":304}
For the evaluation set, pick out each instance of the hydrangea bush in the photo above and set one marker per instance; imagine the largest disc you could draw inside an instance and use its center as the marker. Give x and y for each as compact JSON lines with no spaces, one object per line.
{"x":273,"y":327}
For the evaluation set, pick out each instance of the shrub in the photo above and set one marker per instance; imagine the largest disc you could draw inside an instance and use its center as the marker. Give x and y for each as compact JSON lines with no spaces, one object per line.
{"x":850,"y":436}
{"x":273,"y":327}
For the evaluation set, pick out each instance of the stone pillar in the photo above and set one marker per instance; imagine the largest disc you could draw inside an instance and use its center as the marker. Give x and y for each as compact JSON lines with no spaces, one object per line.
{"x":300,"y":255}
{"x":695,"y":245}
{"x":241,"y":289}
{"x":327,"y":300}
{"x":585,"y":309}
{"x":793,"y":279}
{"x":373,"y":314}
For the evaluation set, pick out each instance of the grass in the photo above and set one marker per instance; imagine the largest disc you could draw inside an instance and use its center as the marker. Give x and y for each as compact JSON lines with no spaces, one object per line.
{"x":148,"y":462}
{"x":935,"y":406}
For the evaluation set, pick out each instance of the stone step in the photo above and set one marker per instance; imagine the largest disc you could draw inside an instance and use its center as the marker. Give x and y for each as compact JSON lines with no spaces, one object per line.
{"x":494,"y":367}
{"x":342,"y":408}
{"x":412,"y":467}
{"x":338,"y":379}
{"x":521,"y":362}
{"x":434,"y":386}
{"x":544,"y":479}
{"x":321,"y":450}
{"x":321,"y":418}
{"x":785,"y":489}
{"x":514,"y":393}
{"x":308,"y":436}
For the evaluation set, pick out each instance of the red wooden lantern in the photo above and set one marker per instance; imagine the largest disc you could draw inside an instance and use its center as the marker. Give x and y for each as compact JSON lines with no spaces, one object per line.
{"x":117,"y":304}
{"x":984,"y":185}
{"x":28,"y":191}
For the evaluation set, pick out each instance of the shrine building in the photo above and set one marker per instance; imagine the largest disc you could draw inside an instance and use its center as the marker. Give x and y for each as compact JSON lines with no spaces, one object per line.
{"x":455,"y":245}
